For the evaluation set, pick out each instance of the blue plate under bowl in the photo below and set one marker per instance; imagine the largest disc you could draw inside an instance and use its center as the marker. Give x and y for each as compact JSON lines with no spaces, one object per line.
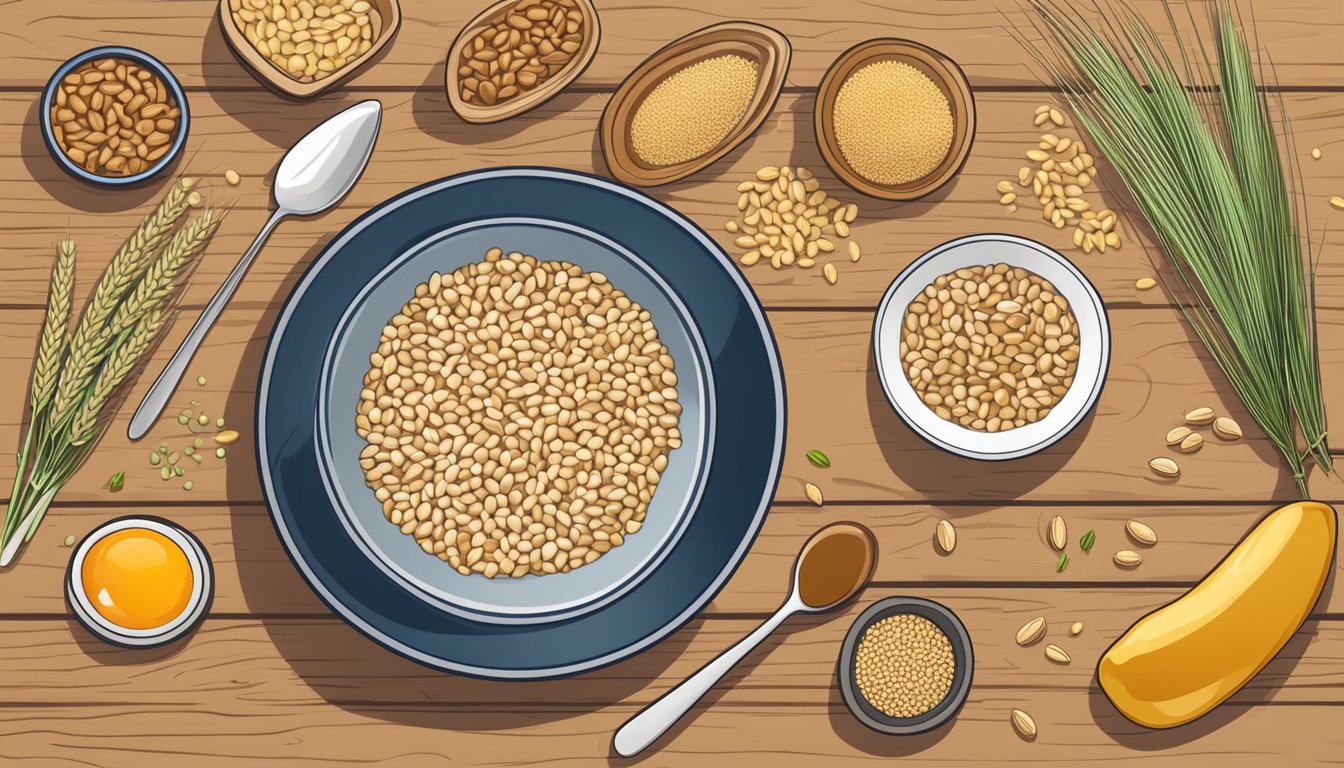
{"x":708,"y":508}
{"x":144,"y":60}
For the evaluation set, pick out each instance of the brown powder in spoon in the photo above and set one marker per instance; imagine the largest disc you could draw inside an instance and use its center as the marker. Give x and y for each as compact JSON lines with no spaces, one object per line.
{"x":834,"y":567}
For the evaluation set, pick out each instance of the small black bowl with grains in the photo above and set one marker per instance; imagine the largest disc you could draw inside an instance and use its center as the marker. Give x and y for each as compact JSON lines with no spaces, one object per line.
{"x":905,"y":666}
{"x":114,"y":116}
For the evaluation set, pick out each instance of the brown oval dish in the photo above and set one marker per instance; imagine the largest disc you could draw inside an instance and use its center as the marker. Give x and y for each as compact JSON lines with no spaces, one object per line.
{"x":545,"y":91}
{"x":769,"y":49}
{"x":945,"y":74}
{"x":271,"y":75}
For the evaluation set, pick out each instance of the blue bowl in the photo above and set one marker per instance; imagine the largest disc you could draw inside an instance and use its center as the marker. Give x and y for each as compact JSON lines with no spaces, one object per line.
{"x":144,"y":60}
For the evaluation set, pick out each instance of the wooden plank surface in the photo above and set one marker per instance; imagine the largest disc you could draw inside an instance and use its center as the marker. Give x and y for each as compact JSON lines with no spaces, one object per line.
{"x":271,"y":675}
{"x":1301,"y":36}
{"x":422,"y":141}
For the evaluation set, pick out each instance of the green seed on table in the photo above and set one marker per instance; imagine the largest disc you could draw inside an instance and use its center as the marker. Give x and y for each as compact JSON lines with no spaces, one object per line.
{"x":163,"y":449}
{"x":198,"y":442}
{"x":70,"y":540}
{"x":819,"y":459}
{"x":116,"y":482}
{"x":1062,"y":564}
{"x":200,"y":380}
{"x":1088,"y":540}
{"x":154,"y":458}
{"x":187,"y":486}
{"x":219,"y":422}
{"x":179,"y":471}
{"x":220,"y":453}
{"x":183,"y":417}
{"x":189,"y":450}
{"x":166,"y":472}
{"x":174,"y":457}
{"x":196,"y":457}
{"x":204,"y":420}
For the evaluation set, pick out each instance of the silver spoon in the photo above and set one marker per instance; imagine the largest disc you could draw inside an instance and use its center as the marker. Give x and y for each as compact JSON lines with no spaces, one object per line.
{"x":831,"y":567}
{"x":313,"y":176}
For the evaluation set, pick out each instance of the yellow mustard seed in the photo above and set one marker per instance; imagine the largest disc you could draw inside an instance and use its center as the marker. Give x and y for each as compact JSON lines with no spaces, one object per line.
{"x":695,"y":108}
{"x":892,"y":122}
{"x":904,"y":665}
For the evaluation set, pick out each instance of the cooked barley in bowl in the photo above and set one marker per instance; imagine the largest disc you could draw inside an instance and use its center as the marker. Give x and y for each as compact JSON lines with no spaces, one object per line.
{"x":991,"y":348}
{"x":519,"y":414}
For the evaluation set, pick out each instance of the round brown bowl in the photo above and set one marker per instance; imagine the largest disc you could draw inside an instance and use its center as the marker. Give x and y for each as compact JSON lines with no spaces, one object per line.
{"x":945,"y":74}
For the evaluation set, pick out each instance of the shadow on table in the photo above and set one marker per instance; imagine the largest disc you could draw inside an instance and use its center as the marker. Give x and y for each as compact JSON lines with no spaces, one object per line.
{"x":932,"y":472}
{"x":865,"y":739}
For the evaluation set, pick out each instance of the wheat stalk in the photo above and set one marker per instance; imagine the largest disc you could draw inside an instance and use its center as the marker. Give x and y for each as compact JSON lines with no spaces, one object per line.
{"x":161,"y":277}
{"x":119,"y":364}
{"x":55,"y":326}
{"x":89,"y":345}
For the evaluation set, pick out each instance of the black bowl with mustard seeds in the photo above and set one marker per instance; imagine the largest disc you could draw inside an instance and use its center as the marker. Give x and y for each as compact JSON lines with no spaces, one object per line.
{"x":905,"y":666}
{"x":114,"y":116}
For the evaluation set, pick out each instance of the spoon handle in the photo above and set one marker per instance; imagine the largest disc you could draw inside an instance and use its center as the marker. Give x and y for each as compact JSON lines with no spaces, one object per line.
{"x":157,"y":398}
{"x":644,"y":728}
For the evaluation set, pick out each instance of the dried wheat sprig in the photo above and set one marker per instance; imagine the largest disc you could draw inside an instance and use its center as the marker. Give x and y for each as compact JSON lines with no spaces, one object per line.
{"x":55,"y":326}
{"x":161,"y":277}
{"x":89,"y":345}
{"x":119,"y":364}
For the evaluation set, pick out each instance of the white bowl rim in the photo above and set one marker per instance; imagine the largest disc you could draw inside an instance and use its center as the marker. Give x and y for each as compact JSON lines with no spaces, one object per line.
{"x":1093,"y":361}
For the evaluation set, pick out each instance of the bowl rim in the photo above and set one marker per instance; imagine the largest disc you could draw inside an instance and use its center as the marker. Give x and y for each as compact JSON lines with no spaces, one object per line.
{"x":1086,"y":295}
{"x":525,"y":102}
{"x":950,"y":77}
{"x":202,"y":589}
{"x":963,"y":652}
{"x":119,"y":52}
{"x":272,"y":77}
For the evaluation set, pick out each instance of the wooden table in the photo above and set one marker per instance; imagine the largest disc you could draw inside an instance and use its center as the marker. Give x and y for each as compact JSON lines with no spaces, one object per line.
{"x":271,"y":675}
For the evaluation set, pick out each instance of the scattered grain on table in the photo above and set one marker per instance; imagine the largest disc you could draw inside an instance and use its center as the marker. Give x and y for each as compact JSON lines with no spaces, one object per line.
{"x":232,"y":178}
{"x":946,"y":534}
{"x":788,"y":220}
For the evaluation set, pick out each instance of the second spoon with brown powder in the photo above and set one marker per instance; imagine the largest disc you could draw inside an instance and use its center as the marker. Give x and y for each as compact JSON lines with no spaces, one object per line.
{"x":831,"y":568}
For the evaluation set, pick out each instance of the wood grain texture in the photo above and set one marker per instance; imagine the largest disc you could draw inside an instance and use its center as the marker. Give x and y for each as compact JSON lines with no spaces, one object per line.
{"x":979,"y":34}
{"x":422,"y":141}
{"x":835,"y":404}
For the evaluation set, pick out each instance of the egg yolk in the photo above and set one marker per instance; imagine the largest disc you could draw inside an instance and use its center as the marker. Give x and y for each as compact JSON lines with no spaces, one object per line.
{"x":137,"y":578}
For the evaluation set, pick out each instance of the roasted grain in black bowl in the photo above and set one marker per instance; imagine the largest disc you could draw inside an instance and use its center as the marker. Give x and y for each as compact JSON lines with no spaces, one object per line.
{"x":964,"y":664}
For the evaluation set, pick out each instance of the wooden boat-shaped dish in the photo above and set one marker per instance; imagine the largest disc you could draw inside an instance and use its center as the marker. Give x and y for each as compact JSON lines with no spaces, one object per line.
{"x":548,"y":89}
{"x":945,"y":74}
{"x":766,"y":47}
{"x":277,"y":79}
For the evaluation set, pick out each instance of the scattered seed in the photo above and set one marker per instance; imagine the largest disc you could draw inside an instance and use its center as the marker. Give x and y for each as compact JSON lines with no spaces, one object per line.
{"x":203,"y":420}
{"x":200,"y":381}
{"x":1056,"y":654}
{"x":1144,"y":283}
{"x":166,"y":472}
{"x":947,"y":536}
{"x":1141,"y":532}
{"x":198,"y":443}
{"x":220,"y":453}
{"x":116,"y":482}
{"x":1024,"y":725}
{"x":1089,"y":539}
{"x":183,"y":418}
{"x":1127,"y":558}
{"x":232,"y":177}
{"x":1062,"y":563}
{"x":194,"y":199}
{"x":828,"y":271}
{"x":819,"y":459}
{"x":1177,"y":434}
{"x":226,"y":437}
{"x":1058,"y":533}
{"x":187,"y":486}
{"x":813,"y":494}
{"x":219,"y":422}
{"x":1031,"y":631}
{"x":853,"y":251}
{"x":1199,"y":416}
{"x":154,"y":458}
{"x":1164,"y":466}
{"x":1337,"y":202}
{"x":174,"y":457}
{"x":189,"y":450}
{"x":1225,"y":428}
{"x":1191,"y":443}
{"x":69,"y":540}
{"x":179,"y":471}
{"x":1076,"y":628}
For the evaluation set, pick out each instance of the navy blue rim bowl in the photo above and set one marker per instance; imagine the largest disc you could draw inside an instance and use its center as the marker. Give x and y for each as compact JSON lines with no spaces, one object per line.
{"x":945,"y":620}
{"x":143,"y":59}
{"x":739,"y":485}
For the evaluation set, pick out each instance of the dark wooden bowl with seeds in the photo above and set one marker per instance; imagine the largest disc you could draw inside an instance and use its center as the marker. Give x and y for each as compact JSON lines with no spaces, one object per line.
{"x":518,"y":54}
{"x":114,"y":116}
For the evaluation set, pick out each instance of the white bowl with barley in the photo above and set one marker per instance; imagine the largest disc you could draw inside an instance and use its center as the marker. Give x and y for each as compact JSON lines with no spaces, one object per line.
{"x":1077,"y":380}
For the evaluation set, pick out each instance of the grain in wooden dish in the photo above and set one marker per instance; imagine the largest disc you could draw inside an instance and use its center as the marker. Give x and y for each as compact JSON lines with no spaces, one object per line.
{"x":692,"y":110}
{"x":904,"y":665}
{"x":520,"y":49}
{"x":892,"y":122}
{"x":991,"y":348}
{"x":519,"y":415}
{"x":112,"y":117}
{"x":308,"y":40}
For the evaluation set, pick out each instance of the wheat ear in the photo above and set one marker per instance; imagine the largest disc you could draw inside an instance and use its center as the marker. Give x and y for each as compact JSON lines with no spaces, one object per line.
{"x":89,"y":345}
{"x":160,"y":278}
{"x":55,"y":326}
{"x":119,"y":364}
